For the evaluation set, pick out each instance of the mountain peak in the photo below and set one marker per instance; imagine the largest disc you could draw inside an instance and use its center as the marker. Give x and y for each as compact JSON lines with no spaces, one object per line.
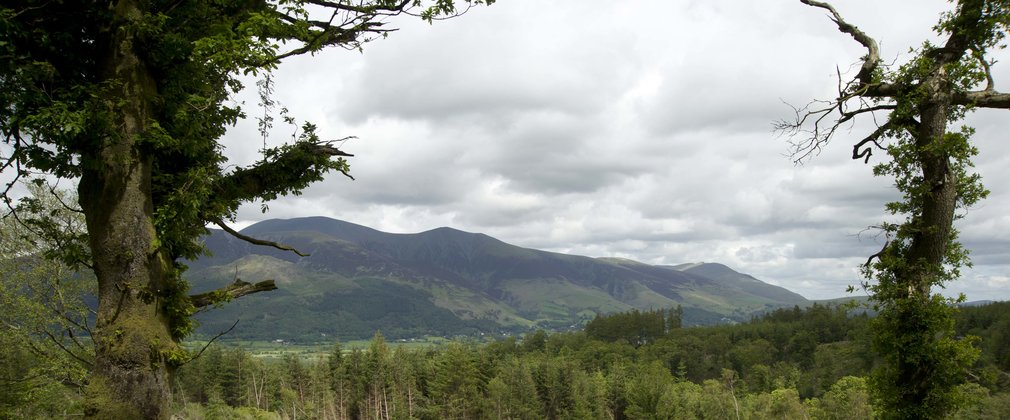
{"x":312,"y":223}
{"x":445,"y":230}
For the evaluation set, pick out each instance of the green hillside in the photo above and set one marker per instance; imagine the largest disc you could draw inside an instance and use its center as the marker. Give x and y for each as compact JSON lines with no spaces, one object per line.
{"x":447,"y":282}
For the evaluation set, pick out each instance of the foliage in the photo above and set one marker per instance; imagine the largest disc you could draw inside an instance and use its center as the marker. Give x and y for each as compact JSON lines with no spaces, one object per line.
{"x":44,"y":321}
{"x":848,"y":398}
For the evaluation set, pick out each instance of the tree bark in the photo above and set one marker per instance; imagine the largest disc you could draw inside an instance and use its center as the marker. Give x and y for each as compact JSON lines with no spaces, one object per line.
{"x":931,"y":236}
{"x":132,"y":334}
{"x":934,"y":226}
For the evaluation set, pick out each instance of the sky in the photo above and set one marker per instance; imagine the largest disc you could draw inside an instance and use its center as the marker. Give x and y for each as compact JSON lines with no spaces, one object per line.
{"x":635,"y":129}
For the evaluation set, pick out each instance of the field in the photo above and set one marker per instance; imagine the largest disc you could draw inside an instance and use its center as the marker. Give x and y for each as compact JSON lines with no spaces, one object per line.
{"x":309,"y":351}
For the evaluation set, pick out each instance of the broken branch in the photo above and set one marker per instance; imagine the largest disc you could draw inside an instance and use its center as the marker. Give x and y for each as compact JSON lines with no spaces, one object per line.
{"x":867,"y":152}
{"x":232,"y":291}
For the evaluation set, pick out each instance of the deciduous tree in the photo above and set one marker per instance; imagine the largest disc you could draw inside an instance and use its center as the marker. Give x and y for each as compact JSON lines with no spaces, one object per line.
{"x":130,"y":98}
{"x":920,"y":104}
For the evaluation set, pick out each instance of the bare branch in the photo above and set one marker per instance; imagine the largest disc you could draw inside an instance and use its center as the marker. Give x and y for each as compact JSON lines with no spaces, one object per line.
{"x":872,"y":138}
{"x":256,"y":241}
{"x":360,"y":9}
{"x":13,"y":161}
{"x":350,"y":32}
{"x":211,"y":342}
{"x":848,"y":115}
{"x":881,"y":230}
{"x":816,"y":123}
{"x":872,"y":57}
{"x":73,"y":337}
{"x":232,"y":291}
{"x":821,"y":131}
{"x":59,"y":344}
{"x":986,"y":67}
{"x":82,"y":326}
{"x":59,"y":198}
{"x":816,"y":136}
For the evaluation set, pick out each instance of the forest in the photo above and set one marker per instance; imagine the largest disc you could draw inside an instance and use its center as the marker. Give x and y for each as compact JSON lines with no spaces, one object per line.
{"x":791,"y":363}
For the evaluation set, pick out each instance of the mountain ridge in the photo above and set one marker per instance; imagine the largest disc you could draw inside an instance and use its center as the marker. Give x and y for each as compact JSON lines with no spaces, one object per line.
{"x":446,"y":281}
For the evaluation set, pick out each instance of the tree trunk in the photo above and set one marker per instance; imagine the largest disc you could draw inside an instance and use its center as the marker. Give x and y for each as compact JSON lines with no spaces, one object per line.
{"x":256,"y":391}
{"x":130,"y":378}
{"x":931,"y":236}
{"x":934,"y":226}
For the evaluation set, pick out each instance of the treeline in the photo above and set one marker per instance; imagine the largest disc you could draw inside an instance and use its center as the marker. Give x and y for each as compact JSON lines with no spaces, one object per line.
{"x":634,"y":327}
{"x":792,"y":363}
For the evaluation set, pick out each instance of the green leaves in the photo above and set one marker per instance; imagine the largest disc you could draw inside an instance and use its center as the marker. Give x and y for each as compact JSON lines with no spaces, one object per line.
{"x":44,"y":324}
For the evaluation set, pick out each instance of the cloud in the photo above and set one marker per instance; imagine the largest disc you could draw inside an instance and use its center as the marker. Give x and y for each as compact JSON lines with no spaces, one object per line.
{"x":487,"y":64}
{"x":638,"y":129}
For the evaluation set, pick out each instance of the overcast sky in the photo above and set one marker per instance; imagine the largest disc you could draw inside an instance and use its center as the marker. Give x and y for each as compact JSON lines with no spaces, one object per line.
{"x":635,"y":129}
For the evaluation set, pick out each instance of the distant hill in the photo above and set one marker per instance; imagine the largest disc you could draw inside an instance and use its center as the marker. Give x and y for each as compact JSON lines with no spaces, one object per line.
{"x":447,"y":282}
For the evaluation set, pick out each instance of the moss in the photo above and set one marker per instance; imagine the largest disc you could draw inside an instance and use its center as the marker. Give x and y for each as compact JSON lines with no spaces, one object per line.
{"x":155,"y":245}
{"x":176,"y":304}
{"x":132,"y":367}
{"x":100,"y":402}
{"x":138,"y":340}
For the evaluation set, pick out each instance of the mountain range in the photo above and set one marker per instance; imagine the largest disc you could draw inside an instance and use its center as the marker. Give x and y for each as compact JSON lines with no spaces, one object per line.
{"x":446,"y":282}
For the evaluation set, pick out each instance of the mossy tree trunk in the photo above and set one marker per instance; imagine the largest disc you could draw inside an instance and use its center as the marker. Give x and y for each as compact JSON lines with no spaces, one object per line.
{"x":132,"y":335}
